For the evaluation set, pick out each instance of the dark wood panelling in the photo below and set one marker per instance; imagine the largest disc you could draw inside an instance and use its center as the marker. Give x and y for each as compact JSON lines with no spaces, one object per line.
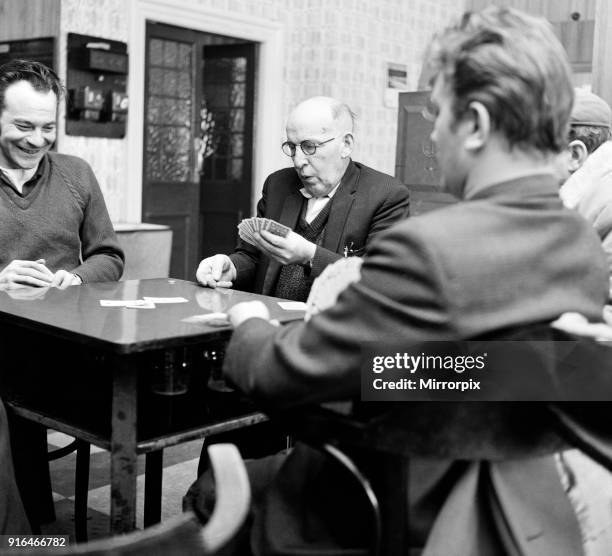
{"x":415,"y":158}
{"x":25,"y":19}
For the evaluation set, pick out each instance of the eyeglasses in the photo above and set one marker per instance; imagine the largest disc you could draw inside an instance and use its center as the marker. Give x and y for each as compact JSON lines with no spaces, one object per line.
{"x":308,"y":147}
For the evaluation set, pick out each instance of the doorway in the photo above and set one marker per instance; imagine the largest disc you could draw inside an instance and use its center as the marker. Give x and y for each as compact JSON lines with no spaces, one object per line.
{"x":198,"y":139}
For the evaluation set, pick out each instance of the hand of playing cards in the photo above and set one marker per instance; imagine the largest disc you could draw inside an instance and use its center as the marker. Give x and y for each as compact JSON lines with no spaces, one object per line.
{"x":249,"y":226}
{"x":330,"y":283}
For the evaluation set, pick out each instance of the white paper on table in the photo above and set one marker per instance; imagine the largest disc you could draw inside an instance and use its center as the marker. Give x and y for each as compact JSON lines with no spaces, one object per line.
{"x":141,"y":305}
{"x":120,"y":302}
{"x":165,"y":299}
{"x":292,"y":305}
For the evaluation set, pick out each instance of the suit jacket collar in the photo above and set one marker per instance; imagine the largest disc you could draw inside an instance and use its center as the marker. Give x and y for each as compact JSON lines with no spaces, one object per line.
{"x":537,"y":185}
{"x":341,"y":202}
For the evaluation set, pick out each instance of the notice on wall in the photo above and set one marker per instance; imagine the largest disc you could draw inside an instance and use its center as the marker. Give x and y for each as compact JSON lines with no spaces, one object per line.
{"x":397,"y":82}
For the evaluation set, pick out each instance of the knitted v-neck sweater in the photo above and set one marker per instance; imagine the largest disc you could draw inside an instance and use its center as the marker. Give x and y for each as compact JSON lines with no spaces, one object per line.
{"x":62,"y":219}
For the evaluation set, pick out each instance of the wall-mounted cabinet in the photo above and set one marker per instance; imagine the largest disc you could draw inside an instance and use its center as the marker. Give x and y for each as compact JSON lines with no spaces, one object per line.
{"x":96,"y":80}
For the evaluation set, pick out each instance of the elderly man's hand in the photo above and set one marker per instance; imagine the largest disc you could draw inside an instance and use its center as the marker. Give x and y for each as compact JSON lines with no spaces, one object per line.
{"x":29,"y":273}
{"x":286,"y":250}
{"x":63,"y":279}
{"x":247,"y":310}
{"x":217,"y":271}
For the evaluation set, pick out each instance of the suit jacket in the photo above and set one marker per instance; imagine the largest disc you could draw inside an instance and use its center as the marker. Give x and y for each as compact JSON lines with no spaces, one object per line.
{"x":509,"y":255}
{"x":366,"y":203}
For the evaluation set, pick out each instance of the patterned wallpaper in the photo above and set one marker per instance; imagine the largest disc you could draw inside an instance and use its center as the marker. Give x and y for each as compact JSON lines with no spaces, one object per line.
{"x":339,"y":48}
{"x":106,"y":19}
{"x":342,"y":49}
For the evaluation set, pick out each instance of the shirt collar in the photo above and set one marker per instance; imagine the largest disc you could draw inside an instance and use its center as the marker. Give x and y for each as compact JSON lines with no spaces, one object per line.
{"x":37,"y":173}
{"x":329,"y":195}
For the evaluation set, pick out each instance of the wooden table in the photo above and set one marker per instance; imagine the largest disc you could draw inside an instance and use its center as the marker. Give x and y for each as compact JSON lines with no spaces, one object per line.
{"x":131,"y":381}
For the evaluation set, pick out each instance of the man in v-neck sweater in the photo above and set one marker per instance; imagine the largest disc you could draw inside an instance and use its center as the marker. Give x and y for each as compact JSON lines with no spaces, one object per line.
{"x":54,"y":231}
{"x":333,"y":205}
{"x":54,"y":225}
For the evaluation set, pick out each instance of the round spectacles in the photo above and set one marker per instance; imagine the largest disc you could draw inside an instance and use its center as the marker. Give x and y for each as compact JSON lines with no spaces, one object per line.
{"x":308,"y":147}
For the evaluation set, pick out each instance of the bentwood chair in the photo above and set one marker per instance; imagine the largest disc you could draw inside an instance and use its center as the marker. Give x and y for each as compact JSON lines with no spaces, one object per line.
{"x":184,"y":534}
{"x":374,"y":441}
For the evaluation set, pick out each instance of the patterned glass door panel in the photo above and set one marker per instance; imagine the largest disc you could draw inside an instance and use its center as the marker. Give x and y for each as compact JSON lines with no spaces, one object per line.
{"x":171,"y":188}
{"x":227,"y":94}
{"x":169,"y":112}
{"x":224,"y":91}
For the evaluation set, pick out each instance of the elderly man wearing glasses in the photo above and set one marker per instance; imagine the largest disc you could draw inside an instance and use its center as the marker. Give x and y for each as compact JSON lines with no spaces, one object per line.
{"x":334,"y":206}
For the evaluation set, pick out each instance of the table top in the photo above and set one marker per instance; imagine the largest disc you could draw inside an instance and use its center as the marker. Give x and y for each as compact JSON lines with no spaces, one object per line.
{"x":76,"y":314}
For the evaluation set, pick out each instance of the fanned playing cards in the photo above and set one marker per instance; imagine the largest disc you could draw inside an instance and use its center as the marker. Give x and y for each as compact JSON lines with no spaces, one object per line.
{"x":249,"y":226}
{"x":330,"y":283}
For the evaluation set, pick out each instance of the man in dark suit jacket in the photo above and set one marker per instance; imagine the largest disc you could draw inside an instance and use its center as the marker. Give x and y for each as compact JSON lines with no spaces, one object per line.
{"x":508,"y":255}
{"x":334,"y":205}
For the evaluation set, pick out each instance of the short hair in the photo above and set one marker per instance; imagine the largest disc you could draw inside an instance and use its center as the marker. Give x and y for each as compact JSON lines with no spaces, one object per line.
{"x":342,"y":110}
{"x":41,"y":77}
{"x":514,"y":65}
{"x":592,"y":136}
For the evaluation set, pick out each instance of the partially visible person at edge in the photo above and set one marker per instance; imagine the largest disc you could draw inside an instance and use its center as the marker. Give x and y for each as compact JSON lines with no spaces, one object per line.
{"x":54,"y":225}
{"x":334,"y":206}
{"x":585,"y":167}
{"x":13,"y":519}
{"x":508,"y":255}
{"x":588,"y":166}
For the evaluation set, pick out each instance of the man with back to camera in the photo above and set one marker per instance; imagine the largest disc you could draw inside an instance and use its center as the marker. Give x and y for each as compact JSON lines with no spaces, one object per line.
{"x":509,"y":254}
{"x":54,"y":225}
{"x":334,"y":206}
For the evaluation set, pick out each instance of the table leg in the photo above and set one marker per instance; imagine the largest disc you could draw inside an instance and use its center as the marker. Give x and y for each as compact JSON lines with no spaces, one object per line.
{"x":81,"y":490}
{"x":123,"y":446}
{"x":153,"y":487}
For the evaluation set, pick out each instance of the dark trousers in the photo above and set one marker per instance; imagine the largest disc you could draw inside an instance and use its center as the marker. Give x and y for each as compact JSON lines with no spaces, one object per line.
{"x":29,"y":445}
{"x":13,"y":520}
{"x":258,"y":441}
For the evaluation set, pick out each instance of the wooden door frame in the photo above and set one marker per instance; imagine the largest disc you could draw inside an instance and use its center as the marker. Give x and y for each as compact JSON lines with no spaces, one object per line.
{"x":268,"y":119}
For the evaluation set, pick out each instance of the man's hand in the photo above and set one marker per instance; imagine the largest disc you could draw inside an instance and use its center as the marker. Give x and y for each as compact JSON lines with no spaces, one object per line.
{"x":63,"y":279}
{"x":286,"y":250}
{"x":29,"y":273}
{"x":217,"y":271}
{"x":247,"y":310}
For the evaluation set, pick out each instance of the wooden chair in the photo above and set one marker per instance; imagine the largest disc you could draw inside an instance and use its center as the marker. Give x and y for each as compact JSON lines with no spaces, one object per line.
{"x":183,"y":534}
{"x":390,"y":433}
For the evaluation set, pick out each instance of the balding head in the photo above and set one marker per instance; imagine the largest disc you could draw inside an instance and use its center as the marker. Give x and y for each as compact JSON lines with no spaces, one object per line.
{"x":329,"y":113}
{"x":327,"y":124}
